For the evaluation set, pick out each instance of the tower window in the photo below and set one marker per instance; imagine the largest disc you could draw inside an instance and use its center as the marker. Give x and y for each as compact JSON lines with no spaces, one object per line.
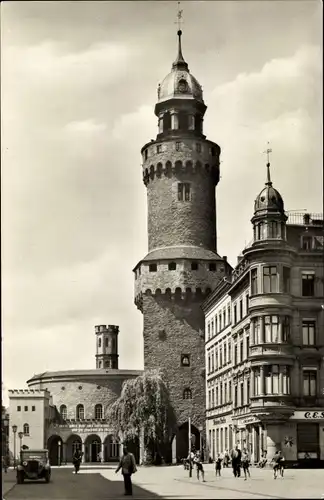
{"x":185,"y":360}
{"x":184,"y":191}
{"x":98,"y":412}
{"x":213,"y":151}
{"x":166,"y":121}
{"x":183,"y":120}
{"x":106,"y":341}
{"x":177,"y":146}
{"x":212,"y":266}
{"x":172,"y":266}
{"x":308,"y":284}
{"x":80,"y":412}
{"x":99,"y":343}
{"x":145,"y":154}
{"x":159,"y":148}
{"x":152,"y":268}
{"x":63,"y":411}
{"x":187,"y":394}
{"x":194,"y":266}
{"x":198,"y":147}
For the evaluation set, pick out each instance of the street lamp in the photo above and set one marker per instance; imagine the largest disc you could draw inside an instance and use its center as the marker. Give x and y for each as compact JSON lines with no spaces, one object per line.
{"x":59,"y":452}
{"x":20,"y":435}
{"x":14,"y":430}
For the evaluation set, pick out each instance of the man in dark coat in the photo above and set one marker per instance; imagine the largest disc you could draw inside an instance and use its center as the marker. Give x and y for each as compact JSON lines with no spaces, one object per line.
{"x":236,"y":455}
{"x":128,"y":466}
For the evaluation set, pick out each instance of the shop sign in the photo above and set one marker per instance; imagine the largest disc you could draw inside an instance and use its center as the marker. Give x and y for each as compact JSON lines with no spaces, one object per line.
{"x":250,"y":420}
{"x":308,"y":415}
{"x":221,"y":420}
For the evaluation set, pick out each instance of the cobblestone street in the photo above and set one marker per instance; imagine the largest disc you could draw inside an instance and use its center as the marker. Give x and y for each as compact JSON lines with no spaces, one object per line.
{"x":168,"y":482}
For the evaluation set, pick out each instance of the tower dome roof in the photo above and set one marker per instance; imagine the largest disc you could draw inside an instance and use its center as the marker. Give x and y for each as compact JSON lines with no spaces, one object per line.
{"x":269,"y":198}
{"x":179,"y":83}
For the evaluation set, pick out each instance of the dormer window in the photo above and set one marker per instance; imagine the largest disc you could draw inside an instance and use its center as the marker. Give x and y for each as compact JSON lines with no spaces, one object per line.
{"x":307,"y":242}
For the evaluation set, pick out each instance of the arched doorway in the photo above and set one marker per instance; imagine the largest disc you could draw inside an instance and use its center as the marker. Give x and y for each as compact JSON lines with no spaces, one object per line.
{"x":55,"y":450}
{"x":182,"y":440}
{"x":73,"y":443}
{"x":111,"y":449}
{"x":92,"y":448}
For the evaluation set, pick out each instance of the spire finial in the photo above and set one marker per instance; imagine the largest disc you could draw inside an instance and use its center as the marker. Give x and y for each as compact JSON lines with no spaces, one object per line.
{"x":268,"y":151}
{"x":179,"y":63}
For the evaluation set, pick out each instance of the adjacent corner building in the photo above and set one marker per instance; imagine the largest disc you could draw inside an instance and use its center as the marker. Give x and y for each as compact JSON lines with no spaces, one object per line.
{"x":264,"y":340}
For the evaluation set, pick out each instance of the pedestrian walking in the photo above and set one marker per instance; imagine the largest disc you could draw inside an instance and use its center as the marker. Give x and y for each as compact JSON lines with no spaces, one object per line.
{"x":278,"y":465}
{"x":236,"y":455}
{"x":128,"y":466}
{"x":218,"y":465}
{"x":226,"y":459}
{"x":199,"y":466}
{"x":245,"y":460}
{"x":76,"y":460}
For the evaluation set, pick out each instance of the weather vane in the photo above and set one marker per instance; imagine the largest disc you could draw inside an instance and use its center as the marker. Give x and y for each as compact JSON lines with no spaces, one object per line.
{"x":268,"y":151}
{"x":179,"y":17}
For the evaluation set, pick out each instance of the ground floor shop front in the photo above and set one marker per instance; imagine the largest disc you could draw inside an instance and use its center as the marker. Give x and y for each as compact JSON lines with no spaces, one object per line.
{"x":300,"y":437}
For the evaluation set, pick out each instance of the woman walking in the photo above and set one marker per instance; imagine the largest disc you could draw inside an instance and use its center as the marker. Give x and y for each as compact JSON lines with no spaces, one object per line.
{"x":218,"y":465}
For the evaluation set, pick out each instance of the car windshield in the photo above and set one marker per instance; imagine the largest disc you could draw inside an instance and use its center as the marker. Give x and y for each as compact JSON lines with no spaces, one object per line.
{"x":33,"y":455}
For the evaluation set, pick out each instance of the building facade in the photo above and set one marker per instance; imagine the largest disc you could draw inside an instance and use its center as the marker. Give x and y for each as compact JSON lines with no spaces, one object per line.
{"x":277,"y":333}
{"x":180,"y":172}
{"x":66,"y":410}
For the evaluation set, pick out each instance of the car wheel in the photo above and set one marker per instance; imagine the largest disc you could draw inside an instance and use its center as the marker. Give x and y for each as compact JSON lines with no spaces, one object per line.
{"x":47,"y":477}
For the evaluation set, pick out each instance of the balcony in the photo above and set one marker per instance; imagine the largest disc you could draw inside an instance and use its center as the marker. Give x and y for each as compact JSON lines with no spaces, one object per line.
{"x":262,"y":300}
{"x":271,"y":350}
{"x":268,"y":401}
{"x":309,"y":401}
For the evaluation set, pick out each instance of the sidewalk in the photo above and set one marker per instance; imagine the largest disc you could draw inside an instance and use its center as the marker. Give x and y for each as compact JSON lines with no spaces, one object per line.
{"x":8,"y":481}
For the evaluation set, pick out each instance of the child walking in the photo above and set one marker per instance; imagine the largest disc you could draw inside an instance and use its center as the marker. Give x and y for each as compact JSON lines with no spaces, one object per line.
{"x":245,"y":460}
{"x":218,"y":465}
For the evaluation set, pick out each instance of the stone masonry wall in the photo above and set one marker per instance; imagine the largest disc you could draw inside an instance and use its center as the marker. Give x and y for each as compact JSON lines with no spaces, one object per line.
{"x":172,"y":222}
{"x":89,"y":395}
{"x":183,"y":324}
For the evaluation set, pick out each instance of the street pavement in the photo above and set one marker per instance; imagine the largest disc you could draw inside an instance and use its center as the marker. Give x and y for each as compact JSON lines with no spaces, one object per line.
{"x":100,"y":483}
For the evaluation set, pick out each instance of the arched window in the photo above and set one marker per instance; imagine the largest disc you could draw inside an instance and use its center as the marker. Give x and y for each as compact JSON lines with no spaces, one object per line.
{"x":98,"y":412}
{"x":99,"y":343}
{"x":26,"y":430}
{"x":80,"y":412}
{"x":187,"y":394}
{"x":166,"y":121}
{"x":63,"y":412}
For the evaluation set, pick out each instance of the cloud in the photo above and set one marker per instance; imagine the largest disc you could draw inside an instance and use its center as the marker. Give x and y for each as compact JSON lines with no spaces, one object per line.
{"x":85,"y":127}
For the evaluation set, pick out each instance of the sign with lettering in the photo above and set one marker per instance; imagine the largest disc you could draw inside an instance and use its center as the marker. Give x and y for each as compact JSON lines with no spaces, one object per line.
{"x":221,"y":420}
{"x":250,"y":420}
{"x":308,"y":415}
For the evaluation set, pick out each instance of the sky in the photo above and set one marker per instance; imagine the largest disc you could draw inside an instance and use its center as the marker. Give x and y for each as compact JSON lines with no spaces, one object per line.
{"x":79,"y":85}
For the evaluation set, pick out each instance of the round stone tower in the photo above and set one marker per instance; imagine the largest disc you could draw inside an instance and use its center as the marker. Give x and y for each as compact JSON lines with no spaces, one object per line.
{"x":107,"y":346}
{"x":180,"y":172}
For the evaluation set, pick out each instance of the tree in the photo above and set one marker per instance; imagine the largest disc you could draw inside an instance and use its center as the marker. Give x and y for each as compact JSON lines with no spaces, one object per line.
{"x":143,"y":409}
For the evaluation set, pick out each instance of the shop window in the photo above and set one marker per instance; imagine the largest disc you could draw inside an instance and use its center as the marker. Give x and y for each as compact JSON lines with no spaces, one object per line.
{"x":254,"y":281}
{"x":184,"y":191}
{"x":309,"y":382}
{"x":308,"y":284}
{"x":270,"y":279}
{"x":271,"y":329}
{"x":309,"y":329}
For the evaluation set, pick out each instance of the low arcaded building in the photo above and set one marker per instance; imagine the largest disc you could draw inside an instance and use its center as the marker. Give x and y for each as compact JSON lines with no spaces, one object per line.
{"x":66,"y":410}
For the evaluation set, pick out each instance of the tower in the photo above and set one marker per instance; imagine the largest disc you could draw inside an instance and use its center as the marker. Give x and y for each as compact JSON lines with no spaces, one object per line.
{"x":180,"y":172}
{"x":107,"y":346}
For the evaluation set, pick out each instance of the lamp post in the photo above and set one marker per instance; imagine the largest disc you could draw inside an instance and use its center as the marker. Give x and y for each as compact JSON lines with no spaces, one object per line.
{"x":189,"y":446}
{"x":59,"y":452}
{"x":14,"y":430}
{"x":20,"y":435}
{"x":200,"y":429}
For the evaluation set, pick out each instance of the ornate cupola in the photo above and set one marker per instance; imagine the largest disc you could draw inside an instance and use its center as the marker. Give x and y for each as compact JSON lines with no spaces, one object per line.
{"x":269,"y":219}
{"x":180,"y":107}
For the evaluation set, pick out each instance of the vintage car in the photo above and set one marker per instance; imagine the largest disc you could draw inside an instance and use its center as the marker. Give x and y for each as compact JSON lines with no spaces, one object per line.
{"x":33,"y":465}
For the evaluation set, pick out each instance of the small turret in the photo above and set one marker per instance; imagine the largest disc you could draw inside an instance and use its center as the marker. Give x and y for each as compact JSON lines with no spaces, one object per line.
{"x":107,"y":346}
